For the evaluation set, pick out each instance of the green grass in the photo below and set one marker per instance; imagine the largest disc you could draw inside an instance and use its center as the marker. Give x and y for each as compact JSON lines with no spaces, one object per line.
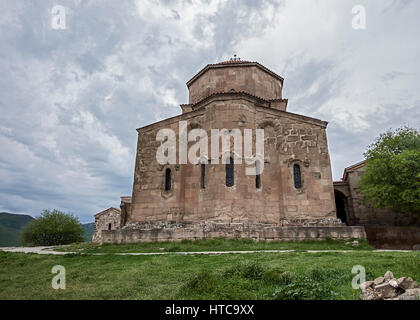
{"x":216,"y":245}
{"x":296,"y":275}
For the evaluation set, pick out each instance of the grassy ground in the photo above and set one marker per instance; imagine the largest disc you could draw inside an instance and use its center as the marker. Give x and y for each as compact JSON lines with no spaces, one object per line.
{"x":296,"y":275}
{"x":216,"y":245}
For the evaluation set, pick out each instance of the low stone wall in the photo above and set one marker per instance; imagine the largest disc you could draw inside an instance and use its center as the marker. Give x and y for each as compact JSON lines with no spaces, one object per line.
{"x":255,"y":232}
{"x":388,"y":237}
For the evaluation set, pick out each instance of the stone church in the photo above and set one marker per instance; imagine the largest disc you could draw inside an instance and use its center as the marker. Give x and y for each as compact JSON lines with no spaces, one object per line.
{"x":291,"y":199}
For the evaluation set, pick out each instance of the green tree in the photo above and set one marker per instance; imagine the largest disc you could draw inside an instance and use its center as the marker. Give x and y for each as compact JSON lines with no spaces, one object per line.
{"x":53,"y":228}
{"x":392,"y":176}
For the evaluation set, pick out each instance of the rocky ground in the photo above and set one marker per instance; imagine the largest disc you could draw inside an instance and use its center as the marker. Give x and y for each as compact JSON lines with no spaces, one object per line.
{"x":389,"y":288}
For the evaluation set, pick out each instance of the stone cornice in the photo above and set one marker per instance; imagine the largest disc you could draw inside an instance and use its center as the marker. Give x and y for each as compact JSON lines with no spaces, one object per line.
{"x":264,"y":105}
{"x":259,"y":103}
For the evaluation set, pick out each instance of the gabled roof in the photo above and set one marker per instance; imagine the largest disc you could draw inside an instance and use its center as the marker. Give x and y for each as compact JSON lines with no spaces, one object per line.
{"x":352,"y":168}
{"x":234,"y":63}
{"x":107,"y":210}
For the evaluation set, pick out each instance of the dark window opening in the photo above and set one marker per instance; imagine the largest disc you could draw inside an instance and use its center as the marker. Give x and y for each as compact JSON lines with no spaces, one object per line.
{"x":258,"y":181}
{"x":203,"y":176}
{"x":168,"y":179}
{"x":297,"y":176}
{"x":229,"y":173}
{"x":258,"y":175}
{"x":109,"y":226}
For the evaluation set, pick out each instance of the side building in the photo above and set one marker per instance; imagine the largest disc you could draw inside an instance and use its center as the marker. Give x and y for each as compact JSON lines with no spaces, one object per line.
{"x":108,"y":219}
{"x":385,"y":229}
{"x":351,"y":209}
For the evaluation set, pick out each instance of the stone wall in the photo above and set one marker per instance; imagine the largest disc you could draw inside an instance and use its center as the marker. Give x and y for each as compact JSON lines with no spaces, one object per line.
{"x":389,"y":237}
{"x":289,"y":139}
{"x":257,"y":232}
{"x":125,"y":208}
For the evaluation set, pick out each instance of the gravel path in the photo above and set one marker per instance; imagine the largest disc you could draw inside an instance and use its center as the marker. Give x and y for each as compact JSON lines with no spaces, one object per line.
{"x":38,"y":250}
{"x":50,"y":250}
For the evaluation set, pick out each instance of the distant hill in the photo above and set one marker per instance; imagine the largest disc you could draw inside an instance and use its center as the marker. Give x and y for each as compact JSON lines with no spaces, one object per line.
{"x":89,"y":231}
{"x":11,"y":225}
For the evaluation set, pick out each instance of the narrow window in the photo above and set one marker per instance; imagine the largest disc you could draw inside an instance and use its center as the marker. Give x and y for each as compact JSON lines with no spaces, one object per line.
{"x":168,"y":179}
{"x":203,"y":176}
{"x":109,"y":226}
{"x":258,"y":175}
{"x":229,"y":173}
{"x":297,"y":176}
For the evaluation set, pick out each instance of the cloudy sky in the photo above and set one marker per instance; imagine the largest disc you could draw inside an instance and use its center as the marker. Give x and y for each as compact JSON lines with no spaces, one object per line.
{"x":71,"y":99}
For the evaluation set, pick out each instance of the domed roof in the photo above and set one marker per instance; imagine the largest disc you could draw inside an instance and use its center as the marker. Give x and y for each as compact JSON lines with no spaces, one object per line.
{"x":235,"y":75}
{"x":234,"y":62}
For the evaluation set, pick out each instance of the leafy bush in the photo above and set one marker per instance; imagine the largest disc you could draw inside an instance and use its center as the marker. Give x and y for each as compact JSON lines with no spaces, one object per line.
{"x":53,"y":228}
{"x":202,"y":282}
{"x":174,"y":248}
{"x":252,"y":270}
{"x":392,"y":175}
{"x":249,"y":269}
{"x":317,"y":284}
{"x":249,"y":280}
{"x":237,"y":282}
{"x":277,"y":277}
{"x":304,"y":288}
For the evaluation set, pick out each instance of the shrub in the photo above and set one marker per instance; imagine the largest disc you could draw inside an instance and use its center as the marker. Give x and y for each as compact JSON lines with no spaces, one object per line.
{"x":53,"y":228}
{"x":317,"y":284}
{"x":277,"y":277}
{"x":249,"y":269}
{"x":201,"y":283}
{"x":304,"y":288}
{"x":252,"y":270}
{"x":392,"y":174}
{"x":211,"y":285}
{"x":174,"y":248}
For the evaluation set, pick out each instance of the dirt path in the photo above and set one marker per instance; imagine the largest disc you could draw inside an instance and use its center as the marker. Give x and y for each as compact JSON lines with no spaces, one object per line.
{"x":50,"y":250}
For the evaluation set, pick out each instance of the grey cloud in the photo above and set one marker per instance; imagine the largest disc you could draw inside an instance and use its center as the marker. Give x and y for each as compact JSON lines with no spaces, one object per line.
{"x":397,"y":5}
{"x":71,"y":99}
{"x":104,"y":76}
{"x":313,"y":73}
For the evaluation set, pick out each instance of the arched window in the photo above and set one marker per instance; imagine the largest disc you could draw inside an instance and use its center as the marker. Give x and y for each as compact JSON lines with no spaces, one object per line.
{"x":297,"y":176}
{"x":168,"y":185}
{"x":229,"y":173}
{"x":109,"y":226}
{"x":258,"y":175}
{"x":203,"y":176}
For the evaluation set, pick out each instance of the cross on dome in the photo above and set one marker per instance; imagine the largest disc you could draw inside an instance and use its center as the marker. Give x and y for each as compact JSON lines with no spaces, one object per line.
{"x":235,"y":58}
